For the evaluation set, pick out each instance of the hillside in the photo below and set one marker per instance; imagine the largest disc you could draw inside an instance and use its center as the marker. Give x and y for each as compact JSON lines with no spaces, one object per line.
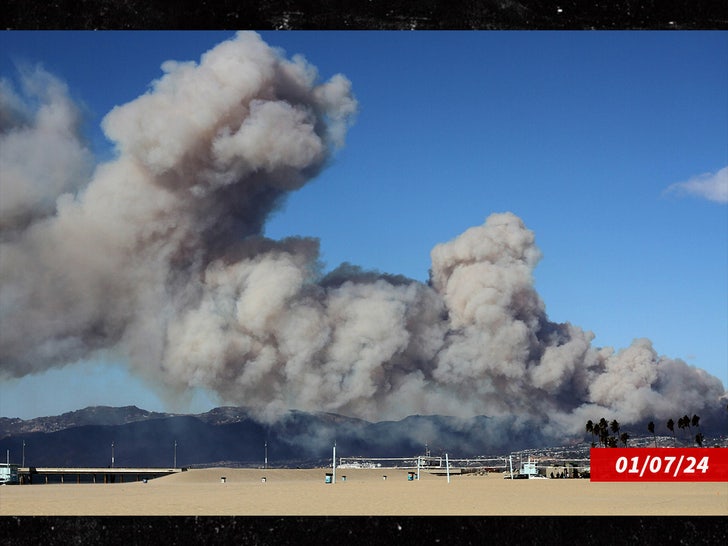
{"x":231,"y":436}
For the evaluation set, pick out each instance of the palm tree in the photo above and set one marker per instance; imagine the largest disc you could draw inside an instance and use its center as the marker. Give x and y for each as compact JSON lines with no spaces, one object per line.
{"x":603,"y":424}
{"x":699,"y":439}
{"x":651,"y":428}
{"x":681,"y":423}
{"x":671,"y":428}
{"x":604,"y":436}
{"x":614,"y":426}
{"x":603,"y":431}
{"x":590,"y":429}
{"x":695,"y":421}
{"x":686,"y":424}
{"x":623,"y":438}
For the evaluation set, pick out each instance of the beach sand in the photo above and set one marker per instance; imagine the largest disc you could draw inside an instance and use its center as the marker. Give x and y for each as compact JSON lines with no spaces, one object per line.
{"x":365,"y":492}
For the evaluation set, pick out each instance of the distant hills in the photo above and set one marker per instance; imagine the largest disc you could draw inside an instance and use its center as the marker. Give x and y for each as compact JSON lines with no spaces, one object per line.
{"x":230,"y":436}
{"x":96,"y":415}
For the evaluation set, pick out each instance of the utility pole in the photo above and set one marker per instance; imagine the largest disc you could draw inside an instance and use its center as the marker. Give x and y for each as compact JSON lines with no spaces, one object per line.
{"x":112,"y":454}
{"x":265,"y":462}
{"x":175,"y":454}
{"x":334,"y":457}
{"x":23,"y":463}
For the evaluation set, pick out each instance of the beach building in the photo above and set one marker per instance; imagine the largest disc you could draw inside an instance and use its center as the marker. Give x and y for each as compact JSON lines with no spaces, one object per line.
{"x":8,"y":473}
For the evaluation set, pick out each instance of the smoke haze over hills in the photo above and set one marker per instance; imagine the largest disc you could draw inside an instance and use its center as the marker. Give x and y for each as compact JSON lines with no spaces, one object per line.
{"x":230,"y":436}
{"x":159,"y":256}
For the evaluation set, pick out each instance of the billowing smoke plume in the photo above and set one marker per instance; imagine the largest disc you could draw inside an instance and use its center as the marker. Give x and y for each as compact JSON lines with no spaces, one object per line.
{"x":159,"y":257}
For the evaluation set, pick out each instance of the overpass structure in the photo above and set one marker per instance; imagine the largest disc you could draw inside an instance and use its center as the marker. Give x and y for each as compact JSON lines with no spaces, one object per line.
{"x":32,"y":474}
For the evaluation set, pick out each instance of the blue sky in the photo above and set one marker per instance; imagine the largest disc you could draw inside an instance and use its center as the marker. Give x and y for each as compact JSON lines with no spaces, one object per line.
{"x":590,"y":138}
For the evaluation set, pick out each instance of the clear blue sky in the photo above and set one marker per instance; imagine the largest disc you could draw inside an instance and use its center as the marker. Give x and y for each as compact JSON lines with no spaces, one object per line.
{"x":585,"y":136}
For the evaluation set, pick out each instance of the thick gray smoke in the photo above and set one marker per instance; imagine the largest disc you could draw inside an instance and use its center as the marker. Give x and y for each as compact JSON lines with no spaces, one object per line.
{"x":158,"y":256}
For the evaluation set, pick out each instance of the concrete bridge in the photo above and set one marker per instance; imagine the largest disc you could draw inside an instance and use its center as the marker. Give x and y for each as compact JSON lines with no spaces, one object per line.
{"x":33,"y":474}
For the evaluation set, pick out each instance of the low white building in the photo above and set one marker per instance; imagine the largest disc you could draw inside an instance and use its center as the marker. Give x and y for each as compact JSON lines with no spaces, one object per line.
{"x":8,"y":473}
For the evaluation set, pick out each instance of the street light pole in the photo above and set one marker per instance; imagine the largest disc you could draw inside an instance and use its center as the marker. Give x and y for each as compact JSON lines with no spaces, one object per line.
{"x":265,"y":463}
{"x":23,"y":463}
{"x":112,"y":454}
{"x":175,"y":454}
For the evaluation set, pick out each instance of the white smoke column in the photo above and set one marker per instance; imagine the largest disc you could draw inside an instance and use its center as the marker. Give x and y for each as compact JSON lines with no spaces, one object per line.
{"x":503,"y":357}
{"x":203,"y":159}
{"x":161,"y":259}
{"x":41,"y":152}
{"x":485,"y":278}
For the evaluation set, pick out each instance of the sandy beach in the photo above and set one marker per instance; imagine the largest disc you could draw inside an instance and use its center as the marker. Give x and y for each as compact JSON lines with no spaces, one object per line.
{"x":365,"y":492}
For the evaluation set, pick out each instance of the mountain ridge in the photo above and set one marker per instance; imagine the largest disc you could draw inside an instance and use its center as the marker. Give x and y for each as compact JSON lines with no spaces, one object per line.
{"x":137,"y":437}
{"x":229,"y":433}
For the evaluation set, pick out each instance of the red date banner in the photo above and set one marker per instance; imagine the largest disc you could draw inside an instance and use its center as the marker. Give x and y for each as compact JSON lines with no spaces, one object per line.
{"x":662,"y":464}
